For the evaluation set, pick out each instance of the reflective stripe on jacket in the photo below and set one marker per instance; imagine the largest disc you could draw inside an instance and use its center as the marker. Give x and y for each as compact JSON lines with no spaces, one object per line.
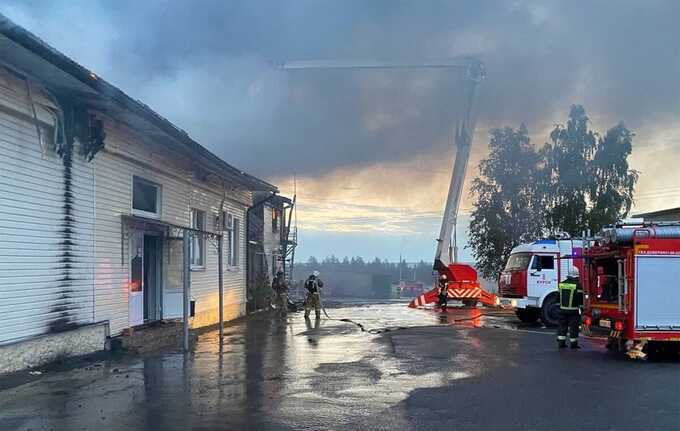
{"x":571,"y":295}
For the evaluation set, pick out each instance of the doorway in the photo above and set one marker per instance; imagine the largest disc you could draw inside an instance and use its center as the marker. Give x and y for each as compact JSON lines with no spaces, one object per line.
{"x":144,"y":302}
{"x":152,"y":272}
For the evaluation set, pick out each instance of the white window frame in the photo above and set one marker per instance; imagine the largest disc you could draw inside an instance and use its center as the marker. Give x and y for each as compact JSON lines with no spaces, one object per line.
{"x":198,"y":238}
{"x":232,"y":225}
{"x":142,"y":213}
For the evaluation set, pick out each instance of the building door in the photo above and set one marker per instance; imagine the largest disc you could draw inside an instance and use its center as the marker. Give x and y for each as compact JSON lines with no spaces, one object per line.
{"x":136,"y":285}
{"x":151,"y":291}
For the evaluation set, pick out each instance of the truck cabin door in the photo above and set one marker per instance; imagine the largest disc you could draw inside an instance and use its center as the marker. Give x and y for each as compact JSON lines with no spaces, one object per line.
{"x":542,"y":275}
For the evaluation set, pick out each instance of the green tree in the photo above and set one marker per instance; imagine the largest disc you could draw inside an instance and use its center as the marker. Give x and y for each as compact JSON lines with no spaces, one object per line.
{"x":507,"y":206}
{"x":566,"y":175}
{"x":611,"y":195}
{"x":587,"y":179}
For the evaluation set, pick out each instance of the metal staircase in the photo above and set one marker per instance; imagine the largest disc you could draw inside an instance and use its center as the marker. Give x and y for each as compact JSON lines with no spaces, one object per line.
{"x":289,"y":243}
{"x":289,"y":254}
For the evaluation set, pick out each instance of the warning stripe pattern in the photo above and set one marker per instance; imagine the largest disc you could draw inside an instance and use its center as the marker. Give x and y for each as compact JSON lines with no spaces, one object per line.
{"x":474,"y":292}
{"x":453,"y":293}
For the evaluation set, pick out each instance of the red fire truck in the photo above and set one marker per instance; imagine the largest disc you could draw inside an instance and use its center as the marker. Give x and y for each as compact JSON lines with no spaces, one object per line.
{"x":631,"y":277}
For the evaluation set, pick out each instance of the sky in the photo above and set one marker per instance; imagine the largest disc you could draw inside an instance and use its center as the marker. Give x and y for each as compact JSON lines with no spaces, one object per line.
{"x":371,"y":151}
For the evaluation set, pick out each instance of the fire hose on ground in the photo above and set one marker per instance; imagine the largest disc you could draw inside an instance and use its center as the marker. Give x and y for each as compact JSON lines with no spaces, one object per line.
{"x":391,"y":328}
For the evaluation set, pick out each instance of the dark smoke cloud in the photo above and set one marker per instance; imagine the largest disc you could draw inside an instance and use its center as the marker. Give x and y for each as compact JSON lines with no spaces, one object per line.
{"x":210,"y":66}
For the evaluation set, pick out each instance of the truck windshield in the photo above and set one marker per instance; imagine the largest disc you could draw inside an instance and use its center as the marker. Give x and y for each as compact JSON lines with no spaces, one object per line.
{"x":518,"y":261}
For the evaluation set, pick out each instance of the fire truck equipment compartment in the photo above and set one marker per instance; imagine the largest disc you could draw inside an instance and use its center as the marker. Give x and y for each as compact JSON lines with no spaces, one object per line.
{"x":657,"y":292}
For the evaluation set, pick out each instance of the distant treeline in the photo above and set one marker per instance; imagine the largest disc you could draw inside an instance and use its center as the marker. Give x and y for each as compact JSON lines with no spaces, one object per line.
{"x":421,"y":271}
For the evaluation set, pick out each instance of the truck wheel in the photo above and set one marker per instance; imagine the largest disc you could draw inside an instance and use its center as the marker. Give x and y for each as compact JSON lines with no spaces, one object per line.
{"x":527,"y":315}
{"x":550,"y":311}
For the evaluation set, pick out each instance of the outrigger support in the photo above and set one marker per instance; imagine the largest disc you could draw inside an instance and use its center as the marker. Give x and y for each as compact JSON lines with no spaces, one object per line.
{"x":462,"y":286}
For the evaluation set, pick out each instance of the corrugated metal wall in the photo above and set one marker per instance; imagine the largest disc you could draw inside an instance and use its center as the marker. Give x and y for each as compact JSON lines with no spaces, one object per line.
{"x":46,"y":265}
{"x":113,"y":193}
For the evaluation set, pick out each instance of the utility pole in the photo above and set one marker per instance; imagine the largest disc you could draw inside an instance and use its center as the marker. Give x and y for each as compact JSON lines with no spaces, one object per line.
{"x":400,"y":267}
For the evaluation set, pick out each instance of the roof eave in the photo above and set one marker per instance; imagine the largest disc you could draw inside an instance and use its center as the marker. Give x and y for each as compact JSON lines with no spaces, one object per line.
{"x":657,"y":213}
{"x":103,"y":89}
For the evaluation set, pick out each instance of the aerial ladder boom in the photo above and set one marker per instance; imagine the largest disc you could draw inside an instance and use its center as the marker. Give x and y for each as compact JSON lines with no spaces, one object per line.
{"x":445,"y":63}
{"x":447,"y":249}
{"x":473,"y":70}
{"x":446,"y":253}
{"x":461,"y":279}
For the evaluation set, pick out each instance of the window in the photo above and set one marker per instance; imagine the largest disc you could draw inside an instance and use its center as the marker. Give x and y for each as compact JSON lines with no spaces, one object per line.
{"x":198,"y":241}
{"x":275,"y":220}
{"x":233,"y":228}
{"x":543,"y":262}
{"x":518,"y":261}
{"x":145,"y":197}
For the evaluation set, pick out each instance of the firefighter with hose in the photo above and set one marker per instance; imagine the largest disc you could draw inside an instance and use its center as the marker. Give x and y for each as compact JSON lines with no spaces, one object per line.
{"x":571,"y":301}
{"x":312,"y":285}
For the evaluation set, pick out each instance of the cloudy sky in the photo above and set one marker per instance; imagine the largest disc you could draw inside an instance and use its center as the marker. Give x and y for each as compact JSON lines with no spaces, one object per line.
{"x":372,"y":150}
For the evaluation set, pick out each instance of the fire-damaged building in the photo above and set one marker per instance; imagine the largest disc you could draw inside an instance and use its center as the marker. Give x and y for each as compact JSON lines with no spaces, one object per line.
{"x":110,"y":216}
{"x":271,"y":245}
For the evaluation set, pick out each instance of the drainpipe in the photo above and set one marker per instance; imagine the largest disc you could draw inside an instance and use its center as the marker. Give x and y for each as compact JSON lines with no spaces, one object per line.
{"x":186,"y":284}
{"x":250,"y":208}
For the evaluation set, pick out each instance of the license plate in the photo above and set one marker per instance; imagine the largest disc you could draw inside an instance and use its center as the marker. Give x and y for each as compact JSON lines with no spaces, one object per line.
{"x":605,"y":323}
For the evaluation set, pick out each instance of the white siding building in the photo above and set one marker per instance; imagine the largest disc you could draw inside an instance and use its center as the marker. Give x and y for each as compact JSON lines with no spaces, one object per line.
{"x":90,"y":231}
{"x":125,"y":163}
{"x":45,"y":283}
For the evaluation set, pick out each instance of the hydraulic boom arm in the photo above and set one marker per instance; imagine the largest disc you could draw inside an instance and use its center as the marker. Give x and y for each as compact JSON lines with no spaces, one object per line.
{"x":447,"y":250}
{"x":445,"y":63}
{"x":473,"y":75}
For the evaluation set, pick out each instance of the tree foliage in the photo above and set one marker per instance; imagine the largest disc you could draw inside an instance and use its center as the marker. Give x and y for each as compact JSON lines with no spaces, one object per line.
{"x":566,"y":175}
{"x":420,"y":271}
{"x":588,"y":183}
{"x":506,"y":211}
{"x":579,"y":180}
{"x":614,"y":186}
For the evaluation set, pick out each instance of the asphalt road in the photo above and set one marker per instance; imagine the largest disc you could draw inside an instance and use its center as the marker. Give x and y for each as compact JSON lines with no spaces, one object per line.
{"x":406,"y":369}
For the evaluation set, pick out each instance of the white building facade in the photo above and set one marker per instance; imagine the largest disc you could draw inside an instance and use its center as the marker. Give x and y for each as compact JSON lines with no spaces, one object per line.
{"x":96,"y":194}
{"x":138,"y":263}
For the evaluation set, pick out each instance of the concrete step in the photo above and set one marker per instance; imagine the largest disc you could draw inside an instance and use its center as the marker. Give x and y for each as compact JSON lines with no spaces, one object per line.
{"x":153,"y":336}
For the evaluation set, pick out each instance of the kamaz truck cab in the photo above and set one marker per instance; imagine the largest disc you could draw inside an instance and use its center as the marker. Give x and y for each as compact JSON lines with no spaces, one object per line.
{"x":531,"y":276}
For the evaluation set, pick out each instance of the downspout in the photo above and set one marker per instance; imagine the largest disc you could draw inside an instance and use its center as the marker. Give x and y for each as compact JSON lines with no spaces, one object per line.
{"x":250,"y":208}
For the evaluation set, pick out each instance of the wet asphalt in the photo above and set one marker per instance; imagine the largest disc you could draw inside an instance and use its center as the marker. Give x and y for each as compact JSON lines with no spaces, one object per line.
{"x":400,"y":369}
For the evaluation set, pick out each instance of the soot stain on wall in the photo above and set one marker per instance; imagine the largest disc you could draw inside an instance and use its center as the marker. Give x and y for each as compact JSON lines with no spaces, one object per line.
{"x":76,"y":125}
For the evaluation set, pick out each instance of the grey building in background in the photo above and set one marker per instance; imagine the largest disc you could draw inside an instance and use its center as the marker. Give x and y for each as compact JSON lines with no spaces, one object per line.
{"x":670,"y":214}
{"x":271,"y":244}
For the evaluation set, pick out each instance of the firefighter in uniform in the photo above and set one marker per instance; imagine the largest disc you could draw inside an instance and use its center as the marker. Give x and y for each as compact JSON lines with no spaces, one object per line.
{"x":312,"y":285}
{"x":443,"y":292}
{"x":571,"y":301}
{"x":280,"y":287}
